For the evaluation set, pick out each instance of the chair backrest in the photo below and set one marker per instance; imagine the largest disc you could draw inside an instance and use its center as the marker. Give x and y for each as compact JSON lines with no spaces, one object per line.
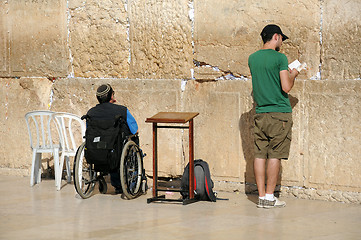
{"x":42,"y":132}
{"x":68,"y":124}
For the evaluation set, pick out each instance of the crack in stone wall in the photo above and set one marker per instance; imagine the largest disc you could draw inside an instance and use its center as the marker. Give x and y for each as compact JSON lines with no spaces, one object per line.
{"x":220,"y":74}
{"x":68,"y":41}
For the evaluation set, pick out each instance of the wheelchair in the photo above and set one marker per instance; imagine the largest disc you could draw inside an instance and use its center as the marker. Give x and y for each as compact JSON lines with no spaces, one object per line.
{"x":130,"y":167}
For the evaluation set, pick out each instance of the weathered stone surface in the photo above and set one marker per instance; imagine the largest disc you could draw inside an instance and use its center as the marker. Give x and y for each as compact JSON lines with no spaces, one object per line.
{"x":144,"y":98}
{"x":325,"y":195}
{"x":332,"y":139}
{"x":219,"y":104}
{"x":341,"y":39}
{"x":19,"y":97}
{"x":99,"y":43}
{"x":229,"y":186}
{"x":33,"y":38}
{"x":292,"y":170}
{"x":161,"y":39}
{"x":227,"y":32}
{"x":226,"y":108}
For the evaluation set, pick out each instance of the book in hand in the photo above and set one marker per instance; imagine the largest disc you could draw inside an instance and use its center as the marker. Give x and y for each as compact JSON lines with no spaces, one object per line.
{"x":297,"y":65}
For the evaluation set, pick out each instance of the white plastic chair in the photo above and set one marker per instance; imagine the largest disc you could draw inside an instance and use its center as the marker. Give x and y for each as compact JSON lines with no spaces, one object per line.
{"x":40,"y":142}
{"x":69,"y":126}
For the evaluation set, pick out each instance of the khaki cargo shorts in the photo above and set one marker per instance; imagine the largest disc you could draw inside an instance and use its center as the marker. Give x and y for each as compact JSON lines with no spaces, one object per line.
{"x":272,"y":135}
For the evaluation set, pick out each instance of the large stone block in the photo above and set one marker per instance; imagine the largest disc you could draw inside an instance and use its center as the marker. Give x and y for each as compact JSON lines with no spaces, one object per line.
{"x":33,"y":38}
{"x":19,"y":97}
{"x":161,"y":39}
{"x":332,"y":137}
{"x":99,"y":43}
{"x":292,"y":170}
{"x":341,"y":33}
{"x":223,"y":130}
{"x":227,"y":32}
{"x":217,"y":131}
{"x":325,"y":195}
{"x":74,"y":95}
{"x":144,"y":98}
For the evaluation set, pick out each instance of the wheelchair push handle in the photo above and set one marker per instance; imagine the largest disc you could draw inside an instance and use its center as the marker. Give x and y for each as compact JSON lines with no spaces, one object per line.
{"x":86,"y":117}
{"x":117,"y":119}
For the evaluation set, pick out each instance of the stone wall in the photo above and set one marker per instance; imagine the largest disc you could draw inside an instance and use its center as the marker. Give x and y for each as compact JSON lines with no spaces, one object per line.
{"x":33,"y":38}
{"x":190,"y":56}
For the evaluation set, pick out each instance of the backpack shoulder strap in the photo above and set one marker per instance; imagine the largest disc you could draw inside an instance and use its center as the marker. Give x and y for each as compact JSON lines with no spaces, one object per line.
{"x":208,"y":181}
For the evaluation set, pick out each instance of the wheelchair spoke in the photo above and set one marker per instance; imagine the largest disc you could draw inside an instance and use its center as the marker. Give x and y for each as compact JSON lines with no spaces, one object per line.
{"x":131,"y":165}
{"x":131,"y":168}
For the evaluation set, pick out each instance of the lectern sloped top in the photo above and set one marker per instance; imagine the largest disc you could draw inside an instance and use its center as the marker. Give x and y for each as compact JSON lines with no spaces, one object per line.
{"x":172,"y":117}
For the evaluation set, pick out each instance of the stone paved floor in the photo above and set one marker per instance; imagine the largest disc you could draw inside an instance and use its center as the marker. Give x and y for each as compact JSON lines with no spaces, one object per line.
{"x":41,"y":212}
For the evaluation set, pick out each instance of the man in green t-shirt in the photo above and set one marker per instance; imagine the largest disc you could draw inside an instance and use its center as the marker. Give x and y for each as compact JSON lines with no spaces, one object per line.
{"x":271,"y":82}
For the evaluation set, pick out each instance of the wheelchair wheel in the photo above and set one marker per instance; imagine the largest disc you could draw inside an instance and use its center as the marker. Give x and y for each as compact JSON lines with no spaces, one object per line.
{"x":131,"y":170}
{"x":84,"y":175}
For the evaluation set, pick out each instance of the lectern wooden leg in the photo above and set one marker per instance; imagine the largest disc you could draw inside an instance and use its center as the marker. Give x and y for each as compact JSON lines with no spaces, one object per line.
{"x":155,"y":160}
{"x":191,"y":161}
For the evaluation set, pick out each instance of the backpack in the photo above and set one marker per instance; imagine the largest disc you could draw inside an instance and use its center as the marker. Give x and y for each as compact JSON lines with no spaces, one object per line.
{"x":104,"y":143}
{"x":203,"y":184}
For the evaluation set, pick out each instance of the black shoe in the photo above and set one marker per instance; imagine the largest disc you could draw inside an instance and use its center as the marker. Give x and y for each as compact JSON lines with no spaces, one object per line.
{"x":118,"y":190}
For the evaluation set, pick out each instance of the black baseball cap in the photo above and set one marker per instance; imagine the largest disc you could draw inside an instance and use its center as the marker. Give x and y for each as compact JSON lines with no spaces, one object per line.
{"x":271,"y":29}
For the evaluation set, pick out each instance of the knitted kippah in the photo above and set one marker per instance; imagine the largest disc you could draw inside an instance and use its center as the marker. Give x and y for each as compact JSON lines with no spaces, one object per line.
{"x":103,"y":90}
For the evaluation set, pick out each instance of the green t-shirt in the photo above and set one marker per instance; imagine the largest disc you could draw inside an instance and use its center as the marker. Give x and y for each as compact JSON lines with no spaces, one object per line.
{"x":265,"y":66}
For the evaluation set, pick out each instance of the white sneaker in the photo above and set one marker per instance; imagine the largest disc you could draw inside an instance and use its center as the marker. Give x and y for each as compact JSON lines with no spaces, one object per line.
{"x":261,"y":203}
{"x":275,"y":203}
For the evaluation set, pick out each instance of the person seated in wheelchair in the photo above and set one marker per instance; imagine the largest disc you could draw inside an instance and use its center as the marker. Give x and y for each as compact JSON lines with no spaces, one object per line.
{"x":108,"y":112}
